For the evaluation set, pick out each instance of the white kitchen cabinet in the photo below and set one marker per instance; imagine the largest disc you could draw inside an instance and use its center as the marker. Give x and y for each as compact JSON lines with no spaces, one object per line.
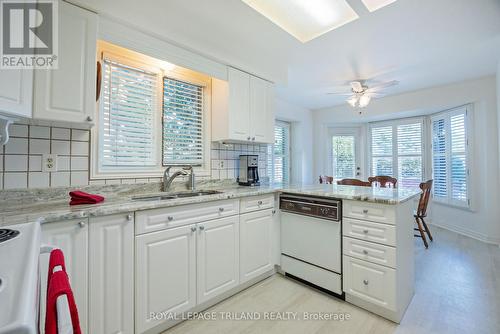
{"x":72,"y":238}
{"x":111,"y":272}
{"x":256,"y":249}
{"x":242,"y":109}
{"x":16,"y":92}
{"x":68,"y":93}
{"x":165,"y":269}
{"x":217,"y":257}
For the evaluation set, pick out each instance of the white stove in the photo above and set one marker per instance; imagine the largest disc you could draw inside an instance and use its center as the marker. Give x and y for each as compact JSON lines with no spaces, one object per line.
{"x":19,"y":254}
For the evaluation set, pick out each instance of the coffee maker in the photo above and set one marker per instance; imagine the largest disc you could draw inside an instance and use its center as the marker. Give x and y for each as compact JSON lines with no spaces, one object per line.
{"x":249,"y":170}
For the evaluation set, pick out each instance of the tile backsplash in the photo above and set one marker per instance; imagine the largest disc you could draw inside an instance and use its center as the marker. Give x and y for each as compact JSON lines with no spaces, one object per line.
{"x":21,"y":159}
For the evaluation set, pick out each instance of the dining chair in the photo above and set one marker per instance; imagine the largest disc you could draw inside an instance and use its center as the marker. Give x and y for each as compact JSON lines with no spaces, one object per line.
{"x":325,"y":179}
{"x":354,"y":182}
{"x":384,"y":181}
{"x":421,"y":212}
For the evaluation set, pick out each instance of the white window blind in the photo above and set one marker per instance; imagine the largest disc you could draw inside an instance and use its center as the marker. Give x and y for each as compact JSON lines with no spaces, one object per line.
{"x":278,"y":155}
{"x":182,"y":122}
{"x":344,"y":157}
{"x":450,"y":157}
{"x":397,"y":150}
{"x":127,"y":108}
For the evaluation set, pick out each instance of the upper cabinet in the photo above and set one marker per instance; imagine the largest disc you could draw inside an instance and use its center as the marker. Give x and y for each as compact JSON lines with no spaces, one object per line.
{"x":242,"y":109}
{"x":16,"y":92}
{"x":69,"y":92}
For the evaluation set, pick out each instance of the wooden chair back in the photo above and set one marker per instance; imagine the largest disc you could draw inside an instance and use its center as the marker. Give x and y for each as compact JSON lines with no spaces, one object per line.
{"x":424,"y":198}
{"x":383,"y":180}
{"x":354,"y":182}
{"x":325,"y":179}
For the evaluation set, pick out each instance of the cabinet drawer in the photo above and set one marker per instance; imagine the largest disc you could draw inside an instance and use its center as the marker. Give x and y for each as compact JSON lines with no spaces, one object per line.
{"x":369,"y":251}
{"x":381,"y":213}
{"x":370,"y":282}
{"x":365,"y":230}
{"x":160,"y":219}
{"x":255,"y":203}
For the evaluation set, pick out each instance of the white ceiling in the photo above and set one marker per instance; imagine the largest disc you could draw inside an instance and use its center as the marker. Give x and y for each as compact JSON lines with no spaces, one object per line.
{"x":421,"y":43}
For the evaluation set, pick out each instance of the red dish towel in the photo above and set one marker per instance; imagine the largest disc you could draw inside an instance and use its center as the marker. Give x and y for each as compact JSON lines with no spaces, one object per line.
{"x":56,"y":259}
{"x":58,"y":285}
{"x":80,"y":197}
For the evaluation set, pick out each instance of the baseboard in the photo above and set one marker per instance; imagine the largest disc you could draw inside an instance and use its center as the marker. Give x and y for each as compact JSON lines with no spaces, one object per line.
{"x":467,"y":232}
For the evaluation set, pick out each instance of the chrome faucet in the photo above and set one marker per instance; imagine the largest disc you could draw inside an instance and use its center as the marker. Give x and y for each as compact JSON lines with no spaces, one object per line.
{"x":167,"y":179}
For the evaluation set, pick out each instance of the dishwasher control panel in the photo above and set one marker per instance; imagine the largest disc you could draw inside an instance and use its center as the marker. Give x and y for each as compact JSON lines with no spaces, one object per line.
{"x":325,"y":208}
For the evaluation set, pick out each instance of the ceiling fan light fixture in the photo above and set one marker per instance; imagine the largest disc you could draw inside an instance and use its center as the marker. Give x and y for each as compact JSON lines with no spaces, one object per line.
{"x":353,"y":101}
{"x":364,"y":100}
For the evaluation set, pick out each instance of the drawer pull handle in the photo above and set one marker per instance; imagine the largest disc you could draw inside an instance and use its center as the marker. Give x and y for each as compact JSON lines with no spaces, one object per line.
{"x":193,"y":229}
{"x":170,"y":218}
{"x":129,"y":217}
{"x":365,"y":252}
{"x":365,"y":231}
{"x":202,"y":227}
{"x":221,"y":209}
{"x":365,"y":282}
{"x":259,"y":202}
{"x":365,"y":211}
{"x":81,"y":224}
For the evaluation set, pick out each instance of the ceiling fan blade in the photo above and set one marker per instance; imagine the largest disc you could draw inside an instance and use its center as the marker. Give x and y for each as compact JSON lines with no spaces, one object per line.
{"x":356,"y":86}
{"x":375,"y":95}
{"x":382,"y":85}
{"x":340,"y":93}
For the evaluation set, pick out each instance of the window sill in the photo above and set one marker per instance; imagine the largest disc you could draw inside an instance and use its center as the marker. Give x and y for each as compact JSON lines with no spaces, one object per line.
{"x":467,"y":208}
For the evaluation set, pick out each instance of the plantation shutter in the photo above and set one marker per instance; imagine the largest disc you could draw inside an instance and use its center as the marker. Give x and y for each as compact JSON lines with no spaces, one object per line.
{"x":127,"y":109}
{"x":278,"y":163}
{"x":381,"y":145}
{"x":409,"y":145}
{"x":458,"y":158}
{"x":344,"y":157}
{"x":439,"y":158}
{"x":182,"y":122}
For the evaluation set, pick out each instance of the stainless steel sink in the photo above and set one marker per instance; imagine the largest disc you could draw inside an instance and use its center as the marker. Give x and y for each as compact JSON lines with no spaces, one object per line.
{"x":184,"y":194}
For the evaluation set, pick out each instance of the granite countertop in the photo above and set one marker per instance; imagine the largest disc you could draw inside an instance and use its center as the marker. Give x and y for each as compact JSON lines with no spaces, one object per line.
{"x":51,"y":209}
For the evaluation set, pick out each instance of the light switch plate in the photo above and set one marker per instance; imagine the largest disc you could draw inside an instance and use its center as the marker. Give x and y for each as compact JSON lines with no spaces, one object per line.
{"x":49,"y":163}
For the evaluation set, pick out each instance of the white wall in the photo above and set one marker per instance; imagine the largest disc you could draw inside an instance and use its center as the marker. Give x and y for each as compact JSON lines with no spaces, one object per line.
{"x":484,"y":221}
{"x":301,"y":139}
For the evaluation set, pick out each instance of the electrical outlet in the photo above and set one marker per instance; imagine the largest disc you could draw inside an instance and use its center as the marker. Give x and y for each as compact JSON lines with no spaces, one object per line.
{"x":221,"y":164}
{"x":49,"y":163}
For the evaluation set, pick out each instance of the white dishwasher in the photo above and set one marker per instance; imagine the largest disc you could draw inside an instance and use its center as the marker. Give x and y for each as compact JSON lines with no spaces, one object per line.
{"x":311,"y":237}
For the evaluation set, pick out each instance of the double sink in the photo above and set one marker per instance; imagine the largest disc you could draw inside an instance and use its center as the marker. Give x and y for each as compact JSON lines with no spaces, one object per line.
{"x":167,"y":196}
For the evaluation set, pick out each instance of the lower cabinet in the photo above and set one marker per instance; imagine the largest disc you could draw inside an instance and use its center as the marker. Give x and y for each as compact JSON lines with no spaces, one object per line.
{"x":111,"y":274}
{"x":72,"y":238}
{"x":256,"y":249}
{"x":165,"y":275}
{"x":217,"y":257}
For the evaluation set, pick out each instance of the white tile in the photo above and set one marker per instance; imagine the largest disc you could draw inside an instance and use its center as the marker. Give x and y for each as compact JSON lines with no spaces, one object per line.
{"x":1,"y":181}
{"x":139,"y":181}
{"x":1,"y":164}
{"x":214,"y":154}
{"x":230,"y":174}
{"x":38,"y":180}
{"x":39,"y":146}
{"x":79,"y":163}
{"x":223,"y":174}
{"x":17,"y":146}
{"x":215,"y":164}
{"x":128,"y":181}
{"x":80,"y":135}
{"x":17,"y":130}
{"x":79,"y":178}
{"x":223,"y":154}
{"x":118,"y":181}
{"x":35,"y":163}
{"x":63,"y":163}
{"x":61,"y":133}
{"x":60,"y":147}
{"x":15,"y":180}
{"x":97,"y":182}
{"x":59,"y":179}
{"x":16,"y":163}
{"x":39,"y":132}
{"x":215,"y":174}
{"x":230,"y":164}
{"x":79,"y":148}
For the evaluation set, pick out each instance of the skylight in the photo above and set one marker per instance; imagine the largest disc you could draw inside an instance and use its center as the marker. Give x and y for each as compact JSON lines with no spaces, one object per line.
{"x":373,"y":5}
{"x":306,"y":19}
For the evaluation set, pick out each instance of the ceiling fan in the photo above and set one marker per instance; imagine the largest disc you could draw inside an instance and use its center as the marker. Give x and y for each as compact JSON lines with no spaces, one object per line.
{"x":360,"y":92}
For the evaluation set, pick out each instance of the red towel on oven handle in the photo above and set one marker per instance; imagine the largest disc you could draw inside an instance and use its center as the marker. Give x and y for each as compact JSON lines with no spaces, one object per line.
{"x":80,"y":197}
{"x":57,"y":285}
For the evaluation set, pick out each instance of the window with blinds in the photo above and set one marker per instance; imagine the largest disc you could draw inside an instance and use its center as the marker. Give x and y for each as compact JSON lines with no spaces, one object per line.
{"x":278,"y":155}
{"x":450,"y":157}
{"x":397,"y":150}
{"x":182,"y":122}
{"x":344,"y":157}
{"x":127,"y":110}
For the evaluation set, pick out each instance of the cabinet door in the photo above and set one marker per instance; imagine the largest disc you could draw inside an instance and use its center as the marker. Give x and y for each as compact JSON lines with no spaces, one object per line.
{"x":16,"y":92}
{"x":165,"y":275}
{"x":217,"y":257}
{"x":72,"y":238}
{"x":68,"y":93}
{"x":239,"y":105}
{"x":261,"y":113}
{"x":111,"y":266}
{"x":255,"y":244}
